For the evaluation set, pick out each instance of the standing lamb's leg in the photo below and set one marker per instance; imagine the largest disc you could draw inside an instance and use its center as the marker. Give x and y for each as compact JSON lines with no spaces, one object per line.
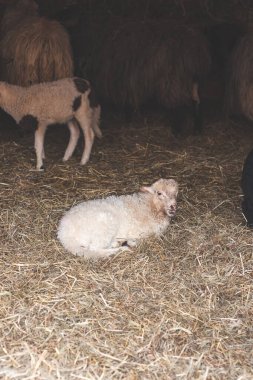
{"x":39,"y":145}
{"x":89,"y":138}
{"x":43,"y":153}
{"x":85,"y":121}
{"x":96,"y":111}
{"x":73,"y":139}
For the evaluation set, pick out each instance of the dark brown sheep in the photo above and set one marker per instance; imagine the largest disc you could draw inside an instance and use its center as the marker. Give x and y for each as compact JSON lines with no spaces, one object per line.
{"x":134,"y":63}
{"x":239,"y":92}
{"x":33,"y":49}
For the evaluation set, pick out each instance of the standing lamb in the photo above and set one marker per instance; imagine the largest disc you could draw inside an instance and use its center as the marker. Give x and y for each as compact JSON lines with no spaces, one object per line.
{"x":101,"y":227}
{"x":69,"y":100}
{"x":33,"y":49}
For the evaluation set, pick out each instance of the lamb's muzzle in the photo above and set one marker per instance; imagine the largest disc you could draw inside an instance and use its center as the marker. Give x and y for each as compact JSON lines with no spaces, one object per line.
{"x":171,"y":210}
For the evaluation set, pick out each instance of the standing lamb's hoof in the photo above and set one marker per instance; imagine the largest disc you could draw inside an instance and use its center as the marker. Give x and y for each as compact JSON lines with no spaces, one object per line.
{"x":41,"y":169}
{"x":83,"y":162}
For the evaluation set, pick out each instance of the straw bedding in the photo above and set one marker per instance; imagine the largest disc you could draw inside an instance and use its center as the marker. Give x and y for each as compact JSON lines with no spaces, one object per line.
{"x":178,"y":307}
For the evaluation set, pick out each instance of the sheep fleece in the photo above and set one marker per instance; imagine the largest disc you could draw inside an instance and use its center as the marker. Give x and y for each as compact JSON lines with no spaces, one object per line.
{"x":94,"y":226}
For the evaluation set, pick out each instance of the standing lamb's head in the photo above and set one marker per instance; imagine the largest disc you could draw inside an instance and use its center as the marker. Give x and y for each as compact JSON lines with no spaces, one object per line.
{"x":164,"y":196}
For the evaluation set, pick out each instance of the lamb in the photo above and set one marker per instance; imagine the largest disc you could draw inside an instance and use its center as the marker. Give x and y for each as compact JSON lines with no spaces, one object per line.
{"x":69,"y":100}
{"x":33,"y":49}
{"x":247,"y":188}
{"x":101,"y":227}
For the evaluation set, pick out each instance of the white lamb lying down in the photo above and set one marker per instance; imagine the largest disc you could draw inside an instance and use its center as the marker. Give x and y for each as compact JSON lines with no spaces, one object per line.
{"x":101,"y":227}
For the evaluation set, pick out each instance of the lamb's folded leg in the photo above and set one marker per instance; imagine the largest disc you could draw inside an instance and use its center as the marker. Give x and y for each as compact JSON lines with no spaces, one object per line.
{"x":39,"y":145}
{"x":73,"y":139}
{"x":100,"y":253}
{"x":131,"y":243}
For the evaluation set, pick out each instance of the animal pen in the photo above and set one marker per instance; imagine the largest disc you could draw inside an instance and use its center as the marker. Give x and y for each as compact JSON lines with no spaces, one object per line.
{"x":175,"y":307}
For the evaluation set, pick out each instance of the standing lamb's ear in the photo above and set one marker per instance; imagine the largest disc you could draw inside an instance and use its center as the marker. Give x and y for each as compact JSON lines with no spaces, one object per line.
{"x":147,"y":189}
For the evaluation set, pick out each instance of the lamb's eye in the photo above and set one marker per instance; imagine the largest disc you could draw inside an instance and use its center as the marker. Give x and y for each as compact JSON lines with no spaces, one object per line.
{"x":159,"y":193}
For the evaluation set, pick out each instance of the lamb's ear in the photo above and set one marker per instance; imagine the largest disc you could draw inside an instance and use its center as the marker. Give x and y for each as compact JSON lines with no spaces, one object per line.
{"x":147,"y":189}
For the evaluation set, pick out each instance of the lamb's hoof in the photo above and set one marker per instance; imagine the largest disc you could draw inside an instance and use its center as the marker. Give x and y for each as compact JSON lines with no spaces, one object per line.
{"x":83,"y":162}
{"x":41,"y":169}
{"x":99,"y":134}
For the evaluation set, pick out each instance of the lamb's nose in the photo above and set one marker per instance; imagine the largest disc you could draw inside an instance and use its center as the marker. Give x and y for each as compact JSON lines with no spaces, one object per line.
{"x":173,"y":208}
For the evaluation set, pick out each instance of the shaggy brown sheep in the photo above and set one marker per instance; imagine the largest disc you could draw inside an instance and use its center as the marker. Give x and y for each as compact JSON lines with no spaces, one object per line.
{"x":32,"y":48}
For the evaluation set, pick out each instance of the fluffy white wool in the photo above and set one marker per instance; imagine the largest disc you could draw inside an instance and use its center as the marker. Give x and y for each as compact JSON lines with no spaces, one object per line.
{"x":99,"y":227}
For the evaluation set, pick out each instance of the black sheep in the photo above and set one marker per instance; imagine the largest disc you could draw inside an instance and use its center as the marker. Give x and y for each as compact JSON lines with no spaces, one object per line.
{"x":247,"y":188}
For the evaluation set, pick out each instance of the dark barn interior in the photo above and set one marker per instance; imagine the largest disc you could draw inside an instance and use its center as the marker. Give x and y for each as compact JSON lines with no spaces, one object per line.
{"x":174,"y":82}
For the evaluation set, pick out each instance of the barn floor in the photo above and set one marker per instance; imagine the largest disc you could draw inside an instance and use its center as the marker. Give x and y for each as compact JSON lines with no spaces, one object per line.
{"x":180,"y":307}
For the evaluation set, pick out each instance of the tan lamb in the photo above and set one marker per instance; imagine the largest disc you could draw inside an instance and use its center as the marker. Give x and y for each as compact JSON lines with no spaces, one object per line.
{"x":70,"y":100}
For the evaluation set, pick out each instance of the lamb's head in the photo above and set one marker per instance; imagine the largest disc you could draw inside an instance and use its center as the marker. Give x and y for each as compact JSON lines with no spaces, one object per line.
{"x":164,"y":196}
